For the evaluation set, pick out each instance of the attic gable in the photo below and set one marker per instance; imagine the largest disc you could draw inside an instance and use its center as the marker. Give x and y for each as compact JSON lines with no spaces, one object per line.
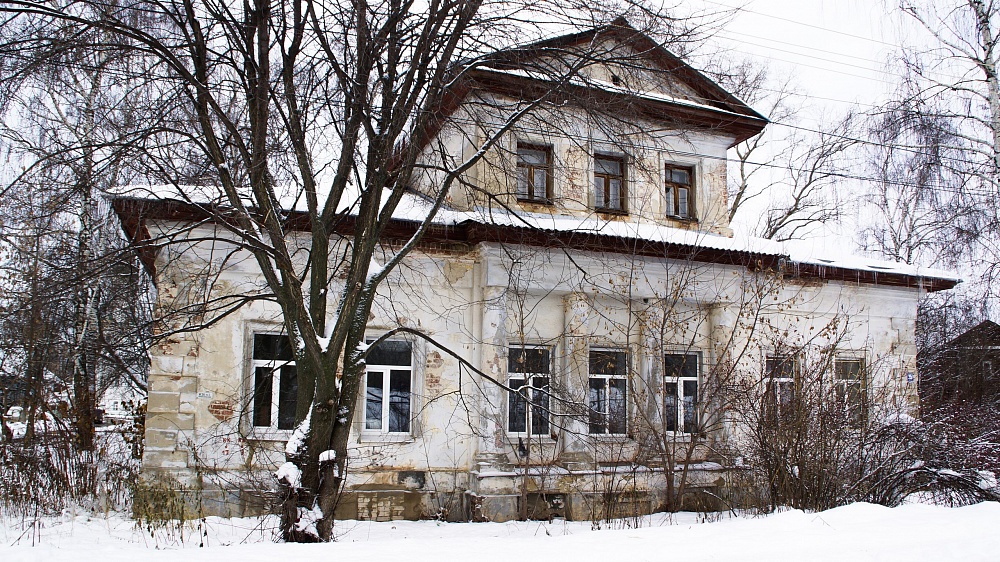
{"x":618,"y":61}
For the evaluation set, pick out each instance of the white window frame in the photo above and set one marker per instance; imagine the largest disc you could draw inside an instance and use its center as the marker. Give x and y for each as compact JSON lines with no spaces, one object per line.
{"x":275,"y":365}
{"x":529,"y":380}
{"x":386,"y":371}
{"x":780,"y":388}
{"x":856,"y":413}
{"x":679,"y":394}
{"x":605,"y":409}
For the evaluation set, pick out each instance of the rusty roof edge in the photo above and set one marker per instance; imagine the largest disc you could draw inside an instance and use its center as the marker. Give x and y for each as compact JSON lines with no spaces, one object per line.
{"x":472,"y":230}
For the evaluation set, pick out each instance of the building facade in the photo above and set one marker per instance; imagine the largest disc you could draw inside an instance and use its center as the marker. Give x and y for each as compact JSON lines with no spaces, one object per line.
{"x":583,"y":310}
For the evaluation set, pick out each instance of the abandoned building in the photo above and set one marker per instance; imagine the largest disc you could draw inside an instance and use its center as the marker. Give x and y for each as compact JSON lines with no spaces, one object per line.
{"x":592,"y":270}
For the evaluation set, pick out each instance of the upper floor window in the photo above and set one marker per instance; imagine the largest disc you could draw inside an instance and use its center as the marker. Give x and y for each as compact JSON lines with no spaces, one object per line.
{"x":534,"y":173}
{"x":680,"y":392}
{"x":609,"y":184}
{"x":528,"y":371}
{"x":388,"y":385}
{"x":275,"y":384}
{"x":608,"y":393}
{"x":680,"y":191}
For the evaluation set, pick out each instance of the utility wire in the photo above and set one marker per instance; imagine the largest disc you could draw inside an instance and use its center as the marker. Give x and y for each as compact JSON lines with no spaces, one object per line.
{"x":809,"y":25}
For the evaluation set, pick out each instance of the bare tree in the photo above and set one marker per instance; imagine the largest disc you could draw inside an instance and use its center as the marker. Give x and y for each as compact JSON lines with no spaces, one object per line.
{"x":793,"y":176}
{"x":297,"y":130}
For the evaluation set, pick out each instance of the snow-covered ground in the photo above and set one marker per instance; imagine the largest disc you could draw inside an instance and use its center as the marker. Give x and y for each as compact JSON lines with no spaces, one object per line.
{"x":856,"y":532}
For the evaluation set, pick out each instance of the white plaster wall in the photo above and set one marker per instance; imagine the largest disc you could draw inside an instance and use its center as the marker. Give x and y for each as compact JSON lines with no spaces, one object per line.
{"x":452,"y":296}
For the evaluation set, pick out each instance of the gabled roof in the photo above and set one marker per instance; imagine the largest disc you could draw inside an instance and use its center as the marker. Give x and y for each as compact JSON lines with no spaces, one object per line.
{"x":590,"y":234}
{"x":508,"y":72}
{"x":984,"y":334}
{"x":656,"y":54}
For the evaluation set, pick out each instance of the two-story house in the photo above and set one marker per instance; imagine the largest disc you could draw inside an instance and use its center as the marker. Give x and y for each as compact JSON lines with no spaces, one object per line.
{"x":585,"y":264}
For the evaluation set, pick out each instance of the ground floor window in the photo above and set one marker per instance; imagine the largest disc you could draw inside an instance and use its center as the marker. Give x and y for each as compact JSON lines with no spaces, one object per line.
{"x":608,"y":393}
{"x":275,"y":384}
{"x":849,"y":384}
{"x":779,"y":383}
{"x":680,"y":392}
{"x":388,"y":387}
{"x":528,"y":370}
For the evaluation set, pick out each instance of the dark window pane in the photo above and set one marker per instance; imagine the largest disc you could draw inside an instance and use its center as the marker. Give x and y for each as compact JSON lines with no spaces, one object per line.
{"x":682,"y":177}
{"x":608,"y":167}
{"x":615,"y":194}
{"x":690,"y":406}
{"x":540,"y":408}
{"x":522,"y":182}
{"x":399,"y":401}
{"x":597,"y":401}
{"x":604,"y":362}
{"x":262,"y":383}
{"x":680,"y":365}
{"x":373,"y":401}
{"x":540,"y":183}
{"x":600,"y":184}
{"x":780,"y":367}
{"x":391,"y":352}
{"x":617,"y":406}
{"x":532,"y":157}
{"x":670,"y":406}
{"x":786,"y":394}
{"x":269,"y":347}
{"x":517,"y":408}
{"x":848,"y":369}
{"x":528,"y":360}
{"x":287,"y":393}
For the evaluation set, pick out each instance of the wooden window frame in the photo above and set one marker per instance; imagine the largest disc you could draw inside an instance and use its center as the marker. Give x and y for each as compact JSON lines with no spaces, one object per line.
{"x":672,"y":191}
{"x":623,"y":181}
{"x":530,"y":196}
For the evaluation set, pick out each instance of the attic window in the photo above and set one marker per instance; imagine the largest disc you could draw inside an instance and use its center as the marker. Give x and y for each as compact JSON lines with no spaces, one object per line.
{"x":616,"y":80}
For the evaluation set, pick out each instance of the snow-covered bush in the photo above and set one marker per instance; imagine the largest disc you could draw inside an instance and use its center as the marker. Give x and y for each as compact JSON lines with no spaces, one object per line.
{"x":49,"y":474}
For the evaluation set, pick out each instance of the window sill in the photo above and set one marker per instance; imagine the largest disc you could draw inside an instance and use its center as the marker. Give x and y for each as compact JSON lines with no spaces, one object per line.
{"x":257,"y":433}
{"x":547,"y":202}
{"x":614,"y":212}
{"x":680,"y":218}
{"x":375,"y":438}
{"x":535,"y":439}
{"x":610,"y":437}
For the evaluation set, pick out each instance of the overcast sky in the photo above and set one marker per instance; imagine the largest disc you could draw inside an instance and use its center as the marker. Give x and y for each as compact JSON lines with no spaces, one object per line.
{"x":837,"y":53}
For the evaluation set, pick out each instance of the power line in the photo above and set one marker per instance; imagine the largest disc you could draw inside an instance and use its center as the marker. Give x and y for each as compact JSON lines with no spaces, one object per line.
{"x":809,"y":25}
{"x":918,"y":151}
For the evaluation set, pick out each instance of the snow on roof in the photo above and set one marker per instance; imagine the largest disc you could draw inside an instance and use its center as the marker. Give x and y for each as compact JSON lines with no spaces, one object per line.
{"x":415,"y":208}
{"x":849,"y":261}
